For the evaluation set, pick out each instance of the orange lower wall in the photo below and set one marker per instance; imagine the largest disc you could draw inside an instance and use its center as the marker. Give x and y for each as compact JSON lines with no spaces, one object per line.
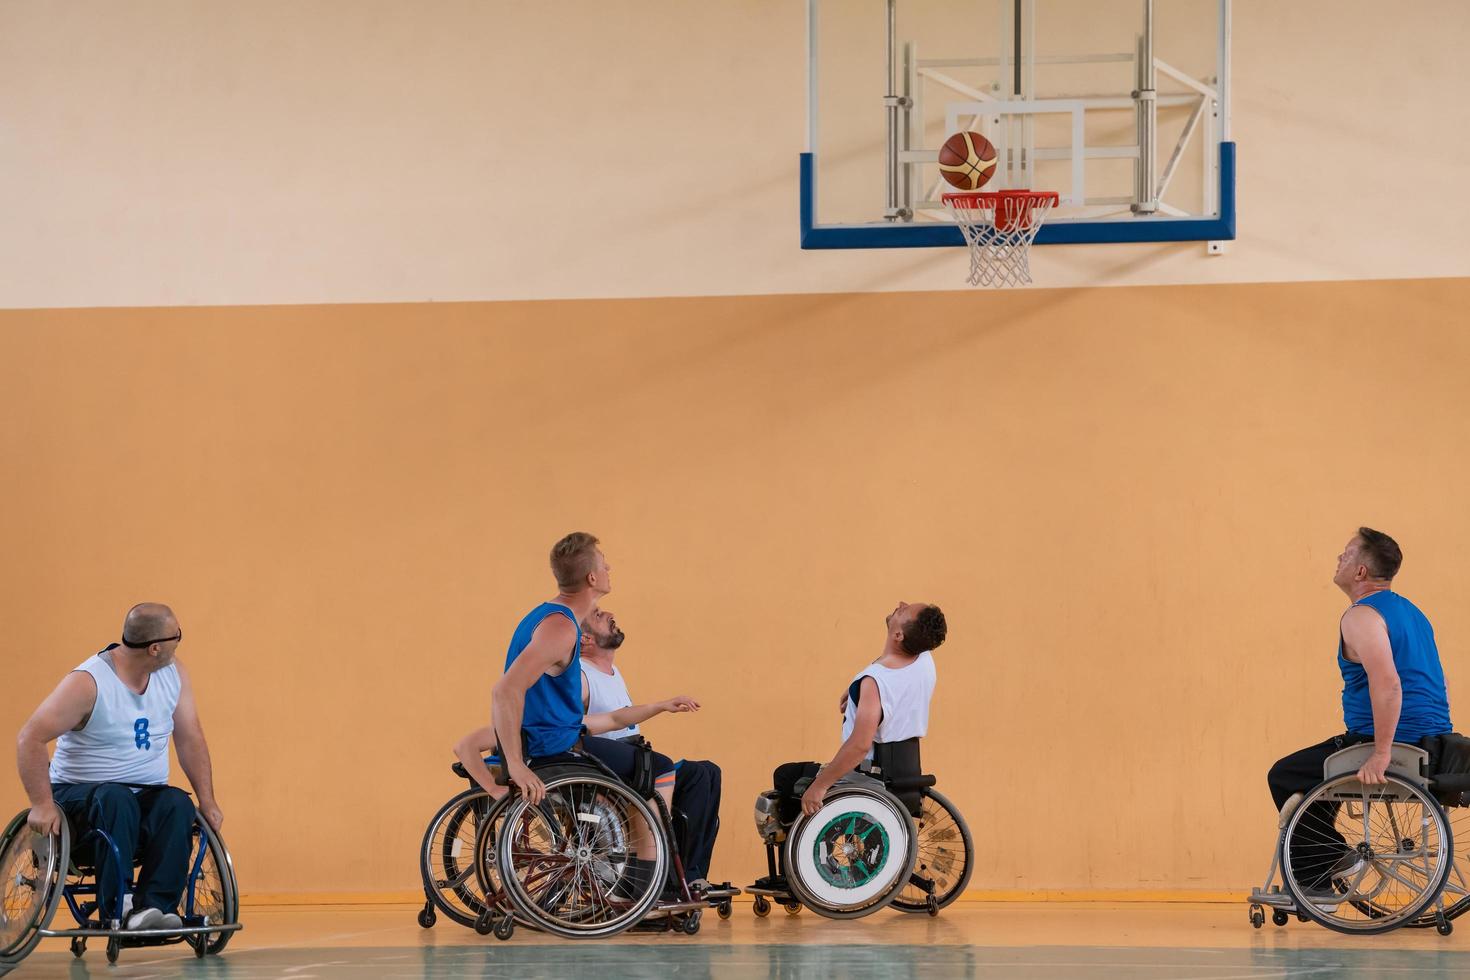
{"x":1128,"y":501}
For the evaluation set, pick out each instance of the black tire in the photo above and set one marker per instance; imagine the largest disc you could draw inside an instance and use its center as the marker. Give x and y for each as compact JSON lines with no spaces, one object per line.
{"x":114,"y":945}
{"x":505,"y":928}
{"x":215,"y":893}
{"x":761,"y":907}
{"x":593,"y":815}
{"x":725,"y":909}
{"x":447,"y":856}
{"x":1279,"y":918}
{"x":946,"y":855}
{"x":690,"y":925}
{"x":427,"y":916}
{"x":881,"y":803}
{"x":30,"y":885}
{"x":78,"y":946}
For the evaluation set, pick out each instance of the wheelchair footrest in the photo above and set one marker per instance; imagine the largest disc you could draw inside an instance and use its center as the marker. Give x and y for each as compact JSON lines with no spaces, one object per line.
{"x":776,"y":893}
{"x":722,"y":891}
{"x":1275,"y":898}
{"x":674,"y":908}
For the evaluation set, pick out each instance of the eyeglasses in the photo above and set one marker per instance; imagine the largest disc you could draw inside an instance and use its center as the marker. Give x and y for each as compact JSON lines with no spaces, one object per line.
{"x":148,"y":643}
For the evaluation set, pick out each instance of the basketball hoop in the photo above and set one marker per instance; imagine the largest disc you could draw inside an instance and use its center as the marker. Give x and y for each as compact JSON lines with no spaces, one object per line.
{"x":999,"y":227}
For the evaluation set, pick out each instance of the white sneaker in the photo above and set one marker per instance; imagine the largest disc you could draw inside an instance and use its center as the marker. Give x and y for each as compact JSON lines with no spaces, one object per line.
{"x":146,"y":919}
{"x":170,"y":921}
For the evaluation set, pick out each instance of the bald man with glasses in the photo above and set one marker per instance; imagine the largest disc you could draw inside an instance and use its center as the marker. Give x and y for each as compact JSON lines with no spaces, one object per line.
{"x":112,"y":719}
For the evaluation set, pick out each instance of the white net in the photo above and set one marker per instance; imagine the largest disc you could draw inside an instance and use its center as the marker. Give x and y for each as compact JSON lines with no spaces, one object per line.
{"x":1000,"y":249}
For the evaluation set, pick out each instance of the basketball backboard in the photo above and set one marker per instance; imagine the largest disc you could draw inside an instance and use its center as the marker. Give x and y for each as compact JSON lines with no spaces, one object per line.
{"x":1120,"y":106}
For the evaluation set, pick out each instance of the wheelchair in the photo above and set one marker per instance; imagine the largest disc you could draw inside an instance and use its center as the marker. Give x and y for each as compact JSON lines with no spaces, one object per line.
{"x":447,"y":855}
{"x":38,"y":873}
{"x":565,"y":866}
{"x":1379,"y":857}
{"x":883,"y":837}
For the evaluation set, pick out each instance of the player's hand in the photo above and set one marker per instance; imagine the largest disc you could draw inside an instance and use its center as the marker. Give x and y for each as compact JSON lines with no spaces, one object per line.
{"x":1372,"y":772}
{"x":532,"y":788}
{"x":680,"y":704}
{"x":811,"y":800}
{"x":45,"y":819}
{"x":212,"y":814}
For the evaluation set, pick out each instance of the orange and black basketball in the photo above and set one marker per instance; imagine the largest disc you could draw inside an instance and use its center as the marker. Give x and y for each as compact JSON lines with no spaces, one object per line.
{"x":967,"y":161}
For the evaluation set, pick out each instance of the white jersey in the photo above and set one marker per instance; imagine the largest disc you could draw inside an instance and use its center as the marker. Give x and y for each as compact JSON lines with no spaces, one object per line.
{"x":607,"y":693}
{"x":125,"y":739}
{"x":904,"y":694}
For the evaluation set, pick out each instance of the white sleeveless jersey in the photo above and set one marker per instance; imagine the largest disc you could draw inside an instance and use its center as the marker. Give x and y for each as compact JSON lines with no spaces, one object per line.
{"x":607,"y":693}
{"x":125,"y":739}
{"x":904,"y":694}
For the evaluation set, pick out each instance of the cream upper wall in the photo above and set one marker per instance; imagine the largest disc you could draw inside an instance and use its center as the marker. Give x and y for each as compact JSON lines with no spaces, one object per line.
{"x":163,"y":152}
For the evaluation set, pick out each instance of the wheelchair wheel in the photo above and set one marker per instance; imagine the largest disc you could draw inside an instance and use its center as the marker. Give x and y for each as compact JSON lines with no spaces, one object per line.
{"x":1366,"y":859}
{"x":946,"y":856}
{"x":447,"y":857}
{"x":1456,"y":894}
{"x":853,"y":856}
{"x":32,"y":872}
{"x":567,"y":862}
{"x":212,"y":892}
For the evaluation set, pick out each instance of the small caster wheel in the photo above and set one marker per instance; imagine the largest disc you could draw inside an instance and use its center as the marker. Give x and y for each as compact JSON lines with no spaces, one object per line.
{"x":199,"y":942}
{"x":690,"y":925}
{"x":792,"y":908}
{"x":427,"y":917}
{"x":505,"y":928}
{"x":1300,"y":917}
{"x":78,"y":946}
{"x":761,"y":907}
{"x":1258,"y":917}
{"x":1279,"y":918}
{"x":114,"y":946}
{"x":485,"y":923}
{"x":1442,"y":925}
{"x":931,"y":905}
{"x":725,"y":909}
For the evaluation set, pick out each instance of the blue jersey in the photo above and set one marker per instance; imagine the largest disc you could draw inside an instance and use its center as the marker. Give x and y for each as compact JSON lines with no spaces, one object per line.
{"x":1426,"y":705}
{"x":552,"y":719}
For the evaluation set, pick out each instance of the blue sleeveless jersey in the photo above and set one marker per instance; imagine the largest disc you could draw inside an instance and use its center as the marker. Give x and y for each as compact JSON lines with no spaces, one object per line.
{"x":1426,"y":705}
{"x":552,"y":718}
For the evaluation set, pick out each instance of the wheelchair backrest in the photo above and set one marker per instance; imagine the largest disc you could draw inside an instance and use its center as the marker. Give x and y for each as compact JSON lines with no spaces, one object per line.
{"x":897,"y":760}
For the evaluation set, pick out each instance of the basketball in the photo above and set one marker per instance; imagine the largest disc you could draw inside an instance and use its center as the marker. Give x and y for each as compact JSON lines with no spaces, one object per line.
{"x":967,"y":161}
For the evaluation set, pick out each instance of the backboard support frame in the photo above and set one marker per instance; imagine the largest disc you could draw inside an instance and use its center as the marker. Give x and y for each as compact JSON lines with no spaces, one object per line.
{"x":1149,"y":218}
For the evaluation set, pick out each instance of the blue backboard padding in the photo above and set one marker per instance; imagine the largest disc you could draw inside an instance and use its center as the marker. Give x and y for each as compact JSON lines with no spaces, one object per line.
{"x":898,"y":234}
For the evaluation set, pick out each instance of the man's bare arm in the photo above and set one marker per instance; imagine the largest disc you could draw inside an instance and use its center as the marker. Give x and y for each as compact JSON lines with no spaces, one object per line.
{"x":549,"y":646}
{"x":1365,"y":637}
{"x":470,"y":751}
{"x":193,"y":750}
{"x":63,"y":711}
{"x":636,"y":714}
{"x":852,"y":751}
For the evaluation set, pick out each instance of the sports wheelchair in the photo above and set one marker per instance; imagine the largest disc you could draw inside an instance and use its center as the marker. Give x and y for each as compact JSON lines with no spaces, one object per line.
{"x":884,"y":836}
{"x":1375,"y":858}
{"x":567,"y":865}
{"x":38,"y":872}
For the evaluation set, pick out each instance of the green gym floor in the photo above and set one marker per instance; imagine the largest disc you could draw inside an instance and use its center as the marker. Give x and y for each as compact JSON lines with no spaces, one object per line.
{"x":968,"y":939}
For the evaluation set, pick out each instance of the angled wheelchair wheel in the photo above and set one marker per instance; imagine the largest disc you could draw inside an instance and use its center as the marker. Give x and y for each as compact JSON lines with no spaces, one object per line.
{"x":1456,"y":894}
{"x":32,"y":873}
{"x":946,"y":856}
{"x":212,"y":891}
{"x":853,"y":856}
{"x":447,"y":857}
{"x":1366,"y":859}
{"x":567,"y":863}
